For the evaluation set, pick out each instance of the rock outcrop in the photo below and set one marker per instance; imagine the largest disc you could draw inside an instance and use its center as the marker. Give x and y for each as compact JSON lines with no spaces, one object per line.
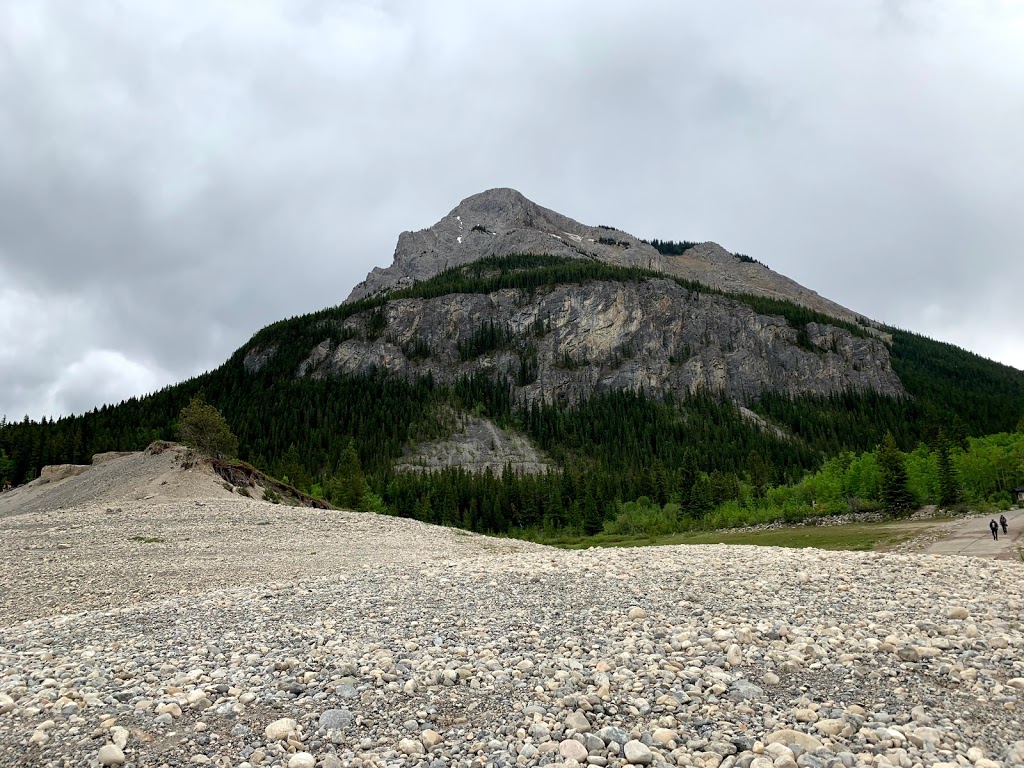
{"x":476,"y":444}
{"x":575,"y":340}
{"x":502,"y":222}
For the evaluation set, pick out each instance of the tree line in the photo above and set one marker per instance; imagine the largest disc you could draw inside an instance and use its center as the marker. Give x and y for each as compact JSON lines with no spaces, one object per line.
{"x":699,"y":453}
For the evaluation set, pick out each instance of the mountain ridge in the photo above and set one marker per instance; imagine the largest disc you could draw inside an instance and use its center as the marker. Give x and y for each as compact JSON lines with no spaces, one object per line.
{"x":503,"y":222}
{"x":622,"y":378}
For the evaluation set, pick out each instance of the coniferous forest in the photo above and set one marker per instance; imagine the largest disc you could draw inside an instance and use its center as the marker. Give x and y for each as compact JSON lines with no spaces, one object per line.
{"x":326,"y":436}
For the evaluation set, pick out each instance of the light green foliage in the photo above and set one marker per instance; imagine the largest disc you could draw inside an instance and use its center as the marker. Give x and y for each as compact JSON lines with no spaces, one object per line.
{"x":202,"y":428}
{"x":948,"y":480}
{"x":644,"y":518}
{"x":922,"y":475}
{"x":992,"y":464}
{"x":372,"y":502}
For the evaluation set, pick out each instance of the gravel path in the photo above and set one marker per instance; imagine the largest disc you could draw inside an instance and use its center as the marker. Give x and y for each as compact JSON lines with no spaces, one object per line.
{"x":259,"y":635}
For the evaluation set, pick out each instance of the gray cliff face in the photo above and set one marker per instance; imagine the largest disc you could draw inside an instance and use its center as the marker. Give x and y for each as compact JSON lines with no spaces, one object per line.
{"x":573,"y":341}
{"x":476,"y":444}
{"x":502,"y":222}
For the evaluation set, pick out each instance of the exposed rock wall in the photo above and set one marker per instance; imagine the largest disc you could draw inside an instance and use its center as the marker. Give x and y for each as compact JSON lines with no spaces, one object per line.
{"x":652,"y":335}
{"x":477,"y":445}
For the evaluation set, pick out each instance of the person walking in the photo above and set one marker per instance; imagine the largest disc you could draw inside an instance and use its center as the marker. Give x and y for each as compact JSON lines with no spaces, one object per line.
{"x":1002,"y":522}
{"x":994,"y":527}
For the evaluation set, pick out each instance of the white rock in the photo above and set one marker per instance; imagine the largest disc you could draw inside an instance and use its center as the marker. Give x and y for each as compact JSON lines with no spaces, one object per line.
{"x":281,"y":729}
{"x":573,"y":750}
{"x":637,"y":753}
{"x":110,"y":755}
{"x":302,"y":760}
{"x":430,"y":739}
{"x":410,"y":747}
{"x":119,"y":735}
{"x":663,"y":736}
{"x":831,"y":727}
{"x":788,"y":736}
{"x":734,"y":655}
{"x":636,"y":612}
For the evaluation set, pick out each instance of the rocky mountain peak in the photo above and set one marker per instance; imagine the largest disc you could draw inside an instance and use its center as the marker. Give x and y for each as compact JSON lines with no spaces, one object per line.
{"x":503,"y":222}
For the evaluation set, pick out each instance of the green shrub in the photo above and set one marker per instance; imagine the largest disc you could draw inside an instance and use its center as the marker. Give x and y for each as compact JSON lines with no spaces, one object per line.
{"x":372,"y":502}
{"x":272,"y":496}
{"x":644,"y":518}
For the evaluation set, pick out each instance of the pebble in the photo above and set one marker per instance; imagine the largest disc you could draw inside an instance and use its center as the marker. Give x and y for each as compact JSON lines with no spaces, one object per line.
{"x":110,"y":755}
{"x":701,"y":657}
{"x":282,"y":729}
{"x":637,"y":753}
{"x":430,"y":739}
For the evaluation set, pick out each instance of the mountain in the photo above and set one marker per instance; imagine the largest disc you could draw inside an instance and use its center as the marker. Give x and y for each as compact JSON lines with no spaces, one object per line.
{"x":514,"y":368}
{"x":615,"y":313}
{"x":501,"y":222}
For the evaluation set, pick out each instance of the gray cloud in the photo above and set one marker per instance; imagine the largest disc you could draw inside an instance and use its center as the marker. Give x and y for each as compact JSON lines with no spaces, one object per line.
{"x":174,"y":176}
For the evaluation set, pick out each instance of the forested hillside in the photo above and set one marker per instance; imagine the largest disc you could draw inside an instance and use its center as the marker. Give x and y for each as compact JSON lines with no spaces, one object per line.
{"x":697,"y":451}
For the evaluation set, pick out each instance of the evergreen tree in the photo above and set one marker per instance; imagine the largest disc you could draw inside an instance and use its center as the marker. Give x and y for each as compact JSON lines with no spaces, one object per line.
{"x":593,"y":520}
{"x":348,"y":487}
{"x":6,"y":468}
{"x":700,"y":497}
{"x":202,"y":428}
{"x":895,"y":490}
{"x":760,"y":473}
{"x":949,"y":485}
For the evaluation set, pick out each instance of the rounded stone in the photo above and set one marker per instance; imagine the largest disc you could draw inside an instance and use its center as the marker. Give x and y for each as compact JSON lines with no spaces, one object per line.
{"x":430,"y":739}
{"x":410,"y":747}
{"x":577,"y":721}
{"x":663,"y":736}
{"x":281,"y":729}
{"x":335,"y":719}
{"x":572,"y":749}
{"x":110,"y":755}
{"x":637,"y":753}
{"x":302,"y":760}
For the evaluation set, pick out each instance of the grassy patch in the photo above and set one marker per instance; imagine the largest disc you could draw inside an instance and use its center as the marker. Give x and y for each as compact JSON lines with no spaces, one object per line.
{"x":855,"y":537}
{"x":146,"y":539}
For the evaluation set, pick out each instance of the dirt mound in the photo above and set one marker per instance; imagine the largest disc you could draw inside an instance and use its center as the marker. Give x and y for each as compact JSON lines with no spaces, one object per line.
{"x":167,"y":473}
{"x":103,"y":458}
{"x":58,"y":472}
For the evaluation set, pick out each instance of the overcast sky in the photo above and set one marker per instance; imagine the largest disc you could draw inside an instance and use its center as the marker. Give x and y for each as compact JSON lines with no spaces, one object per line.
{"x":177,"y":174}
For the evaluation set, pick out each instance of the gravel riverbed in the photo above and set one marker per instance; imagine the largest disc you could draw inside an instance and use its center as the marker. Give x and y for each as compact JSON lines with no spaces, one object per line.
{"x":232,"y":632}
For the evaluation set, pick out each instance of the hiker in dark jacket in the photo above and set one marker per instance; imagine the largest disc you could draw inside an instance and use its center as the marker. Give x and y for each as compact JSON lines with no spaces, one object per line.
{"x":994,"y":527}
{"x":1002,"y":522}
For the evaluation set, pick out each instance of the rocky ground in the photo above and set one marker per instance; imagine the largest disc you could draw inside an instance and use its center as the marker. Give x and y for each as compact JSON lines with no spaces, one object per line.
{"x":232,"y":632}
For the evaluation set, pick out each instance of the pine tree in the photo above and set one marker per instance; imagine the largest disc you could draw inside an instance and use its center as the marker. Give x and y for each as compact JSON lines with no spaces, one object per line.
{"x":348,"y":487}
{"x":700,"y":497}
{"x":949,"y":486}
{"x":895,"y":487}
{"x":202,"y":428}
